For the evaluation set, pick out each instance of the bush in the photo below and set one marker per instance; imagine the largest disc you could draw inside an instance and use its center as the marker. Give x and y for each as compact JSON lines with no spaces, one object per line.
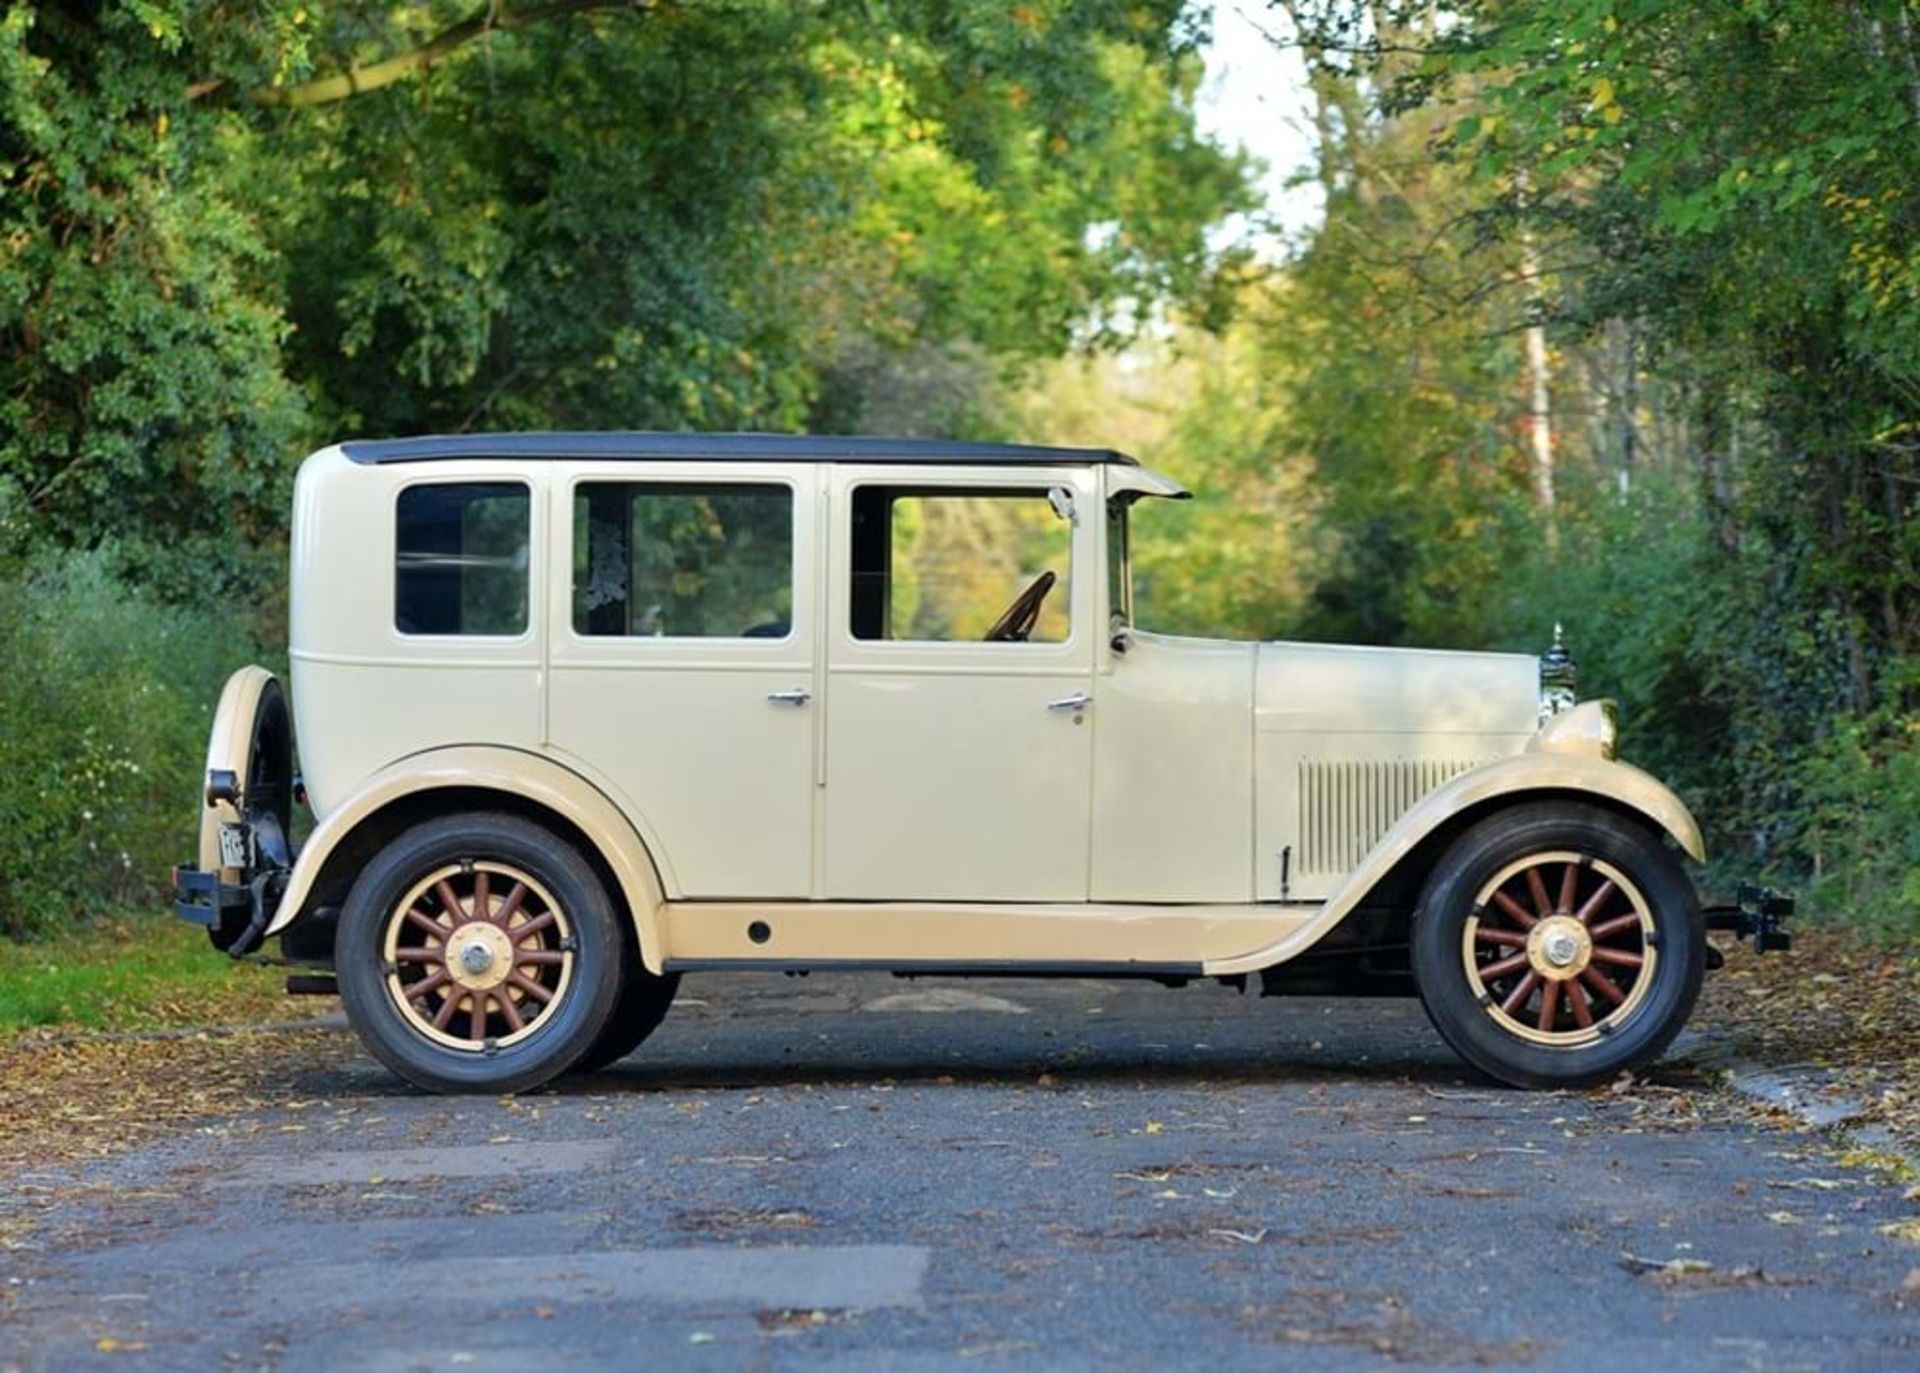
{"x":1864,"y":826}
{"x":104,"y":713}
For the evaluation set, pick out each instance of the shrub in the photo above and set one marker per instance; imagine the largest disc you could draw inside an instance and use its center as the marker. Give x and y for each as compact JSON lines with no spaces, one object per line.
{"x":104,"y":712}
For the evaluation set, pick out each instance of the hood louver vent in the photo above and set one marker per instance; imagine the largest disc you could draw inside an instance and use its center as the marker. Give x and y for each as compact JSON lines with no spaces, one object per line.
{"x":1346,"y":807}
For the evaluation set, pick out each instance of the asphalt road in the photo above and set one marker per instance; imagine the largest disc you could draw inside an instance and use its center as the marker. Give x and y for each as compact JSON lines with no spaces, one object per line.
{"x":869,"y":1173}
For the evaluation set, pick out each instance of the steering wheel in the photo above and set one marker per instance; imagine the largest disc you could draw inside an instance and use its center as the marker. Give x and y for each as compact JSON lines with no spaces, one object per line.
{"x":1016,"y":622}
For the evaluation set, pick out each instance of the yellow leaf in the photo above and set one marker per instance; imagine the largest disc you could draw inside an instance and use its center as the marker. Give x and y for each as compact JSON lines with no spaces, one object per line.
{"x":1154,"y":1127}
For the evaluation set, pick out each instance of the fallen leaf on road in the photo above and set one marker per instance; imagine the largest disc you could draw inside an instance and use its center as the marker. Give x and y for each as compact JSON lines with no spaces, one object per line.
{"x":1783,"y":1218}
{"x":1666,"y":1269}
{"x":1154,"y":1127}
{"x":1908,"y":1230}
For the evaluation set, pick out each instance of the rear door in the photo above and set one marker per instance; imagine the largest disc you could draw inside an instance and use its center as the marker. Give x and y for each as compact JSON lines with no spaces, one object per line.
{"x":682,"y":658}
{"x":959,"y":752}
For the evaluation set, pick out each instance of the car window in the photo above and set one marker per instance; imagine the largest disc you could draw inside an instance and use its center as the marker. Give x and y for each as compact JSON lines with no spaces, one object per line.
{"x":945,"y":565}
{"x":460,"y":558}
{"x":683,"y":560}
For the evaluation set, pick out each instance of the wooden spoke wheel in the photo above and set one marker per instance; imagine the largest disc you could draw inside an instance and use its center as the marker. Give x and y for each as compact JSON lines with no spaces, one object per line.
{"x":1560,"y":948}
{"x":478,"y":955}
{"x":1558,"y":943}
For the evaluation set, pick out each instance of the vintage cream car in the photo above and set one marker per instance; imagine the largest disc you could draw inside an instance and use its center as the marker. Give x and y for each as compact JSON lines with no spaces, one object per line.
{"x":579,"y":713}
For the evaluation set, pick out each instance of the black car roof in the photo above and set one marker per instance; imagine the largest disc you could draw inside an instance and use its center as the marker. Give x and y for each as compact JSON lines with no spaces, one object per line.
{"x":643,"y":446}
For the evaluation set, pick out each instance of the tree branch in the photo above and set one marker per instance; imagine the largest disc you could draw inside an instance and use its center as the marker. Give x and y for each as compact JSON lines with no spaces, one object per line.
{"x":329,"y":90}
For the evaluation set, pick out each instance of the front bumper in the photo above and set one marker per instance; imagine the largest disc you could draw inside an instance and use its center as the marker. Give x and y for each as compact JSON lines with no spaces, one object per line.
{"x":1759,"y":913}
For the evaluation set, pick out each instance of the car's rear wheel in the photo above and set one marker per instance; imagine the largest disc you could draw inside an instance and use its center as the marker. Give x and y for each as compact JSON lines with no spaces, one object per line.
{"x":478,"y":953}
{"x":1557,"y":944}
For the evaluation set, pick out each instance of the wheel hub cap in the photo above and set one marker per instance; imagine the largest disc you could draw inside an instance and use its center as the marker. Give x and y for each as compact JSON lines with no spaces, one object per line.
{"x":1559,"y":947}
{"x":482,"y":956}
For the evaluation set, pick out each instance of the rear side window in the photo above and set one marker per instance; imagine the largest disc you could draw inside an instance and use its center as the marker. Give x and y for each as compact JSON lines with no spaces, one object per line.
{"x":460,"y":559}
{"x":711,"y":560}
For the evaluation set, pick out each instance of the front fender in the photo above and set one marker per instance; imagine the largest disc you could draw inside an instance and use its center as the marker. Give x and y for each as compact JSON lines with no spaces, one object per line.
{"x":1541,"y":773}
{"x":513,"y":772}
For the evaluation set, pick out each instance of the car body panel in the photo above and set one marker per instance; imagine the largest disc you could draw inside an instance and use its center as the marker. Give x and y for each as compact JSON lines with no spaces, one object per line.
{"x":1217,"y":804}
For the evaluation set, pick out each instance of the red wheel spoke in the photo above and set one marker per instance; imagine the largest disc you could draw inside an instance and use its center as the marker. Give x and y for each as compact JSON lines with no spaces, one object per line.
{"x":1617,"y":958}
{"x":1537,"y":888}
{"x":1513,"y":963}
{"x":538,"y":957}
{"x":1569,"y":888}
{"x":428,"y":925}
{"x":419,"y":956}
{"x":511,"y":1012}
{"x":1549,"y":1006}
{"x":532,"y":927}
{"x":448,"y":901}
{"x":1595,"y":902}
{"x":529,"y":986}
{"x":1518,"y":996}
{"x":482,"y":895}
{"x":431,"y":982}
{"x":1487,"y":935}
{"x":511,"y":906}
{"x":1514,"y":909}
{"x":477,"y":1028}
{"x":1582,"y":1003}
{"x":444,"y":1016}
{"x":1620,"y":924}
{"x":1602,"y":984}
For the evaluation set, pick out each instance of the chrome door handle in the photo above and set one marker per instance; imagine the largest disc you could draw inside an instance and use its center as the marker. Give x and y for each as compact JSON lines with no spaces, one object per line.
{"x":798,"y":696}
{"x":1080,"y":702}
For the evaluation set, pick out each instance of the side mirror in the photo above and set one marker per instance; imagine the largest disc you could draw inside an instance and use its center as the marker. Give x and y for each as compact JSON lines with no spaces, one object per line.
{"x":1121,"y":641}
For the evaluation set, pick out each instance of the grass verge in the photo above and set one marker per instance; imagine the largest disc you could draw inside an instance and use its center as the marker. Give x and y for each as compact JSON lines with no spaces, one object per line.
{"x":136,"y":972}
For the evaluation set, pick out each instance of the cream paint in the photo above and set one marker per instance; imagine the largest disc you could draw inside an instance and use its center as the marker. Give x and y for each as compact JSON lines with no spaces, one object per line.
{"x":1514,"y":778}
{"x":540,"y":780}
{"x":903,"y":933}
{"x":227,"y":750}
{"x":1173,"y":772}
{"x":948,"y":776}
{"x":685,"y":730}
{"x":928,"y":782}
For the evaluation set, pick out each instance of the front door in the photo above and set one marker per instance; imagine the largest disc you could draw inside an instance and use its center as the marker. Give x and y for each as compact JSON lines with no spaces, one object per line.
{"x":959,"y":674}
{"x":682,"y":660}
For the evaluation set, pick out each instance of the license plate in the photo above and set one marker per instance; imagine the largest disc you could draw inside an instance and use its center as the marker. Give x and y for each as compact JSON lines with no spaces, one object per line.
{"x":233,"y":846}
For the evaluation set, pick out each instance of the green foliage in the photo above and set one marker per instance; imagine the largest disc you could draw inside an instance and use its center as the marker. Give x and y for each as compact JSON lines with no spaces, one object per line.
{"x":225,"y":250}
{"x":103,"y":723}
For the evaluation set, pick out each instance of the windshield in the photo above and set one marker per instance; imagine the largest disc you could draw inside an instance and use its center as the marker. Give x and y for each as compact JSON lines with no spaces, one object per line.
{"x":1119,"y":565}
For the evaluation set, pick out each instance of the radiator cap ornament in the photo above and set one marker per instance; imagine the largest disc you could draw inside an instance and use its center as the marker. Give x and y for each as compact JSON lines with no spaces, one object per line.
{"x":1559,"y":677}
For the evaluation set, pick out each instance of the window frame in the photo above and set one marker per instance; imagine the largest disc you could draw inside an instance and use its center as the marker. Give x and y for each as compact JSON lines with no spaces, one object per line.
{"x":534,"y":557}
{"x":612,"y":650}
{"x":574,"y":494}
{"x":849,"y":652}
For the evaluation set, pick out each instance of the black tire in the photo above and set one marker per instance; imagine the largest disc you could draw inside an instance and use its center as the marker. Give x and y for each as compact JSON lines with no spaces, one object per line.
{"x":565,"y":1030}
{"x":1473,"y":1020}
{"x":644,"y":1001}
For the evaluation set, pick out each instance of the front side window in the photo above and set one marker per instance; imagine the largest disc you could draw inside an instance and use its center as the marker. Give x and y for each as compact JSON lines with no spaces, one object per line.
{"x":460,"y":558}
{"x":940,"y":565}
{"x":684,"y":560}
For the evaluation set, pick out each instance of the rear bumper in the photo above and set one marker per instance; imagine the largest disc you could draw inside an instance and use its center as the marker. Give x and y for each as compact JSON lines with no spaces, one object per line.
{"x":1759,"y":913}
{"x":231,"y":915}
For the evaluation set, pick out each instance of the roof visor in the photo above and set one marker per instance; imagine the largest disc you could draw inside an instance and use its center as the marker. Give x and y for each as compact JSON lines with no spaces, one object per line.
{"x":1141,"y":481}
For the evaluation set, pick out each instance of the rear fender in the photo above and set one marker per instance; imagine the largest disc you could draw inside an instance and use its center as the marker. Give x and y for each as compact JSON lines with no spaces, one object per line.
{"x":526,"y":777}
{"x":1524,"y":777}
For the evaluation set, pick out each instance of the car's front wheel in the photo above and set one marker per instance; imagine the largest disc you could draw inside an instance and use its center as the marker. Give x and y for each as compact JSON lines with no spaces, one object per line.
{"x":478,"y":953}
{"x":1557,"y":944}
